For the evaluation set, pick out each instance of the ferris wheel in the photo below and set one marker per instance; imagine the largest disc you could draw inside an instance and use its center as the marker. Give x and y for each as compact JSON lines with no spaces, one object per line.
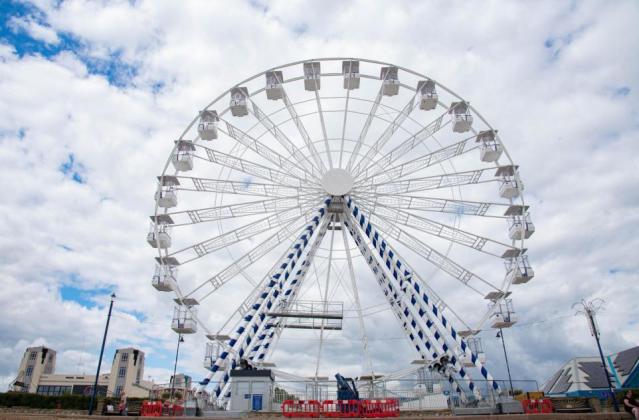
{"x":340,"y":178}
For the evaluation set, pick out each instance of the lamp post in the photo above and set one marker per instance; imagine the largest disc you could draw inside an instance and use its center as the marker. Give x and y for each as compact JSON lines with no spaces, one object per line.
{"x":500,"y":334}
{"x":97,"y":373}
{"x":177,"y":352}
{"x":589,"y":309}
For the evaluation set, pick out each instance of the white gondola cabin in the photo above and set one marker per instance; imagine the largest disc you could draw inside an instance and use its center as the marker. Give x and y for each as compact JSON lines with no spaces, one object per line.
{"x":503,"y":315}
{"x":390,"y":80}
{"x":159,"y":232}
{"x":182,"y":158}
{"x":211,"y":355}
{"x":165,"y":278}
{"x":461,"y":118}
{"x":427,"y":95}
{"x":475,"y":346}
{"x":511,"y":186}
{"x":350,"y":70}
{"x":207,"y":126}
{"x":312,"y":76}
{"x":520,"y":227}
{"x":518,"y":270}
{"x":489,"y":148}
{"x":274,"y":89}
{"x":166,"y":196}
{"x":183,"y":320}
{"x":239,"y":97}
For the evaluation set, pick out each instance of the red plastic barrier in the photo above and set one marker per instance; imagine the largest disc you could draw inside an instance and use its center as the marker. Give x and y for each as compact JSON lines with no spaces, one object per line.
{"x":341,"y":408}
{"x":151,"y":409}
{"x":301,"y":408}
{"x":380,"y":408}
{"x":537,"y":406}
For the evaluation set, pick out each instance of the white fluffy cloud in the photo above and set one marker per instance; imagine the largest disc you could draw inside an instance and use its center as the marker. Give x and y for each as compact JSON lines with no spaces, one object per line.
{"x":558,"y":80}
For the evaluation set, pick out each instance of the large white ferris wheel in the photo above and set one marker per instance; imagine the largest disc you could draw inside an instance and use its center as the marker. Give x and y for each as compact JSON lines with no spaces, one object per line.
{"x":322,"y":178}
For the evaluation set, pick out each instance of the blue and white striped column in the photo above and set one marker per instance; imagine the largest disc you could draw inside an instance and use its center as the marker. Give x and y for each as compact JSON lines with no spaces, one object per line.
{"x":401,"y":270}
{"x":413,"y":328}
{"x":264,"y":301}
{"x":266,"y":335}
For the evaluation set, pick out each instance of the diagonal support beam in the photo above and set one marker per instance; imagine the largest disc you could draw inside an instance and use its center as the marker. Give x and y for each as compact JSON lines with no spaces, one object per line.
{"x":401,"y":270}
{"x":410,"y":313}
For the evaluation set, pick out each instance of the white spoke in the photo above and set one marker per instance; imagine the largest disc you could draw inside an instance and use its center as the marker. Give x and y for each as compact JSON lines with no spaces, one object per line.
{"x":224,"y":240}
{"x":431,"y":182}
{"x":321,"y":117}
{"x":341,"y":149}
{"x":242,"y":187}
{"x":285,"y":164}
{"x":386,"y":135}
{"x":209,"y":214}
{"x":364,"y":132}
{"x":443,"y":205}
{"x":326,"y":287}
{"x":281,"y":138}
{"x":302,"y":130}
{"x":441,"y":230}
{"x":425,"y":161}
{"x":405,"y":148}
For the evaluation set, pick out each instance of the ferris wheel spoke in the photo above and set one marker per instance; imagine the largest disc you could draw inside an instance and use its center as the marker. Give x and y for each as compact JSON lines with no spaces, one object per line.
{"x":386,"y":135}
{"x":287,"y":232}
{"x":321,"y":117}
{"x":252,"y":208}
{"x":443,"y":205}
{"x":424,"y":161}
{"x":247,"y":187}
{"x":285,"y":164}
{"x":390,"y":215}
{"x":365,"y":128}
{"x":439,"y":260}
{"x":224,"y":240}
{"x":341,"y":148}
{"x":407,"y":186}
{"x":284,"y":141}
{"x":404,"y":148}
{"x":248,"y":167}
{"x":302,"y":130}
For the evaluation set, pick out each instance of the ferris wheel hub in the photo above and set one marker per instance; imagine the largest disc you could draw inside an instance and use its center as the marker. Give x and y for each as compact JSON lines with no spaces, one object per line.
{"x":337,"y":182}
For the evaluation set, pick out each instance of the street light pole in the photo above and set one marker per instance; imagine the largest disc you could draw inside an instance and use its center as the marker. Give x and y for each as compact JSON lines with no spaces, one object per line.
{"x":589,"y":309}
{"x":503,"y":343}
{"x":177,"y":352}
{"x":97,"y":373}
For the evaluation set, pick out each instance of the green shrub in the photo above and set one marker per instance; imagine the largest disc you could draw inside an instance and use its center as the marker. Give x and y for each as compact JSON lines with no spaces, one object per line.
{"x":66,"y":402}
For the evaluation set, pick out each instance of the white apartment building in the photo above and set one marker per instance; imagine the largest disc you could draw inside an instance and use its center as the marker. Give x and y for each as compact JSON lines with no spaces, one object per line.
{"x":37,"y":375}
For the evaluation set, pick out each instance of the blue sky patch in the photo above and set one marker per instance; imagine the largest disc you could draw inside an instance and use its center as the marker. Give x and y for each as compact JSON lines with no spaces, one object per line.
{"x":73,"y":169}
{"x":86,"y":298}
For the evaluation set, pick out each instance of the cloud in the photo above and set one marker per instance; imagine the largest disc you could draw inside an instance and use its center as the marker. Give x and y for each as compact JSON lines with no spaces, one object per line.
{"x":86,"y":127}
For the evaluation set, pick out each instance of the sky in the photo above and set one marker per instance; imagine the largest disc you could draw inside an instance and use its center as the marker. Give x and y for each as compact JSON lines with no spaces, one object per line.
{"x":93,"y":93}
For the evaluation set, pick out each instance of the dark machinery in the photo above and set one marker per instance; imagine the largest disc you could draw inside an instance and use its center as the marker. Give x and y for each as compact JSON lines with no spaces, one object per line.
{"x":346,"y":389}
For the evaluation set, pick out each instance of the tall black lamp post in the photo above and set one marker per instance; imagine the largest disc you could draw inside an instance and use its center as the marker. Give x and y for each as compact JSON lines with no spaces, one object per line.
{"x":500,"y":334}
{"x":97,"y":373}
{"x":177,"y":352}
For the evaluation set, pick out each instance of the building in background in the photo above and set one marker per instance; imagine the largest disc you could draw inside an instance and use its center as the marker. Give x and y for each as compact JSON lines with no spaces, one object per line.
{"x":584,"y":376}
{"x":37,"y":375}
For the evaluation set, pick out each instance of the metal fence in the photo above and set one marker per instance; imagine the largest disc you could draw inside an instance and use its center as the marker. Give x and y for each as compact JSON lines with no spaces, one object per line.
{"x":411,"y":394}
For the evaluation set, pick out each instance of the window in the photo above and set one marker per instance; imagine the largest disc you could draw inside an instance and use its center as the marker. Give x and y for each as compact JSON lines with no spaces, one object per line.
{"x":122,"y":372}
{"x":118,"y":391}
{"x":53,"y":390}
{"x":125,"y":357}
{"x":29,"y":371}
{"x":33,"y":355}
